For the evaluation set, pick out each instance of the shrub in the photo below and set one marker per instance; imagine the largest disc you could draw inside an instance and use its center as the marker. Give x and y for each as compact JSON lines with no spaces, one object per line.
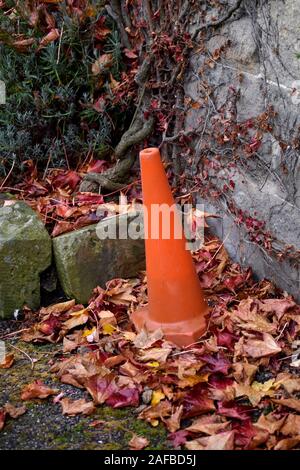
{"x":59,"y":62}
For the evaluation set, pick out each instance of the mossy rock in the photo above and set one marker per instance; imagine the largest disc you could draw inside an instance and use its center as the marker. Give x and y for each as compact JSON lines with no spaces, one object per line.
{"x":86,"y":259}
{"x":25,"y":251}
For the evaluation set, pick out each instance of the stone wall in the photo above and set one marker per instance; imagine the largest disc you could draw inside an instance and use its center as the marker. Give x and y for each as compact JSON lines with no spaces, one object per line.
{"x":258,"y":67}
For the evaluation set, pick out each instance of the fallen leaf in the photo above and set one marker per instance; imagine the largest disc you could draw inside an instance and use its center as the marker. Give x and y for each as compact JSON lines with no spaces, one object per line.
{"x":77,"y":319}
{"x":157,"y":396}
{"x":8,"y":361}
{"x":257,"y":348}
{"x":291,"y":426}
{"x":58,"y":308}
{"x":156,"y":354}
{"x":2,"y":418}
{"x":13,"y":411}
{"x":108,"y":329}
{"x":138,"y":442}
{"x":74,"y":407}
{"x":248,"y":317}
{"x":222,"y":441}
{"x":37,"y":390}
{"x":145,"y":340}
{"x":162,"y":410}
{"x":289,"y":382}
{"x":277,"y":306}
{"x":173,"y":423}
{"x":197,"y":402}
{"x":286,"y":444}
{"x":48,"y":38}
{"x":178,"y":438}
{"x":208,"y":425}
{"x":292,"y":403}
{"x":234,"y":410}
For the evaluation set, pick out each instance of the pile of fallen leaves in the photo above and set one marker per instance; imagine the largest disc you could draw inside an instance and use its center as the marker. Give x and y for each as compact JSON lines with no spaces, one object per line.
{"x":238,"y":387}
{"x":57,"y":199}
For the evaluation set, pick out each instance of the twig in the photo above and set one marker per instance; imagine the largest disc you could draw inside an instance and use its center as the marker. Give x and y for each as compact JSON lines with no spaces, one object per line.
{"x":24,"y":353}
{"x":8,"y":175}
{"x":220,"y":20}
{"x":14,"y":333}
{"x":59,"y":44}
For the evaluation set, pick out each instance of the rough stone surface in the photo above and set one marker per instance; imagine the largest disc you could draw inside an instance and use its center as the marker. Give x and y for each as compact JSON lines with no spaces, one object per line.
{"x":84,"y":261}
{"x":262,"y":66}
{"x":25,"y":251}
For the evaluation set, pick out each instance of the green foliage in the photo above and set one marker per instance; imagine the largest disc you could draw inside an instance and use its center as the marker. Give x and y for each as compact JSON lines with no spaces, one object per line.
{"x":49,"y":113}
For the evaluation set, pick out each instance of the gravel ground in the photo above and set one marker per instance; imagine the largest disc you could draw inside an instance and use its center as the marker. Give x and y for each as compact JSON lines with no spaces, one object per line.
{"x":44,"y":427}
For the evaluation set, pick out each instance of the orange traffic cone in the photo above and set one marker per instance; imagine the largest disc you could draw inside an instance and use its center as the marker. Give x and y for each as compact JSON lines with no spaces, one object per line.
{"x":176,"y":303}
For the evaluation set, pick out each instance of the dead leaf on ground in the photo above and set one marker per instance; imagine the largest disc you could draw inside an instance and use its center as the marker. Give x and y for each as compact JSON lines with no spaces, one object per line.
{"x":286,"y":444}
{"x":7,"y":361}
{"x":37,"y":390}
{"x":289,"y":382}
{"x":270,"y":422}
{"x":291,"y":425}
{"x":155,"y":354}
{"x":173,"y":423}
{"x":13,"y":411}
{"x":144,"y":339}
{"x":211,"y":425}
{"x":257,"y":348}
{"x":292,"y":403}
{"x":77,"y":319}
{"x":2,"y":418}
{"x":138,"y":442}
{"x":61,"y":307}
{"x":75,"y":407}
{"x":222,"y":441}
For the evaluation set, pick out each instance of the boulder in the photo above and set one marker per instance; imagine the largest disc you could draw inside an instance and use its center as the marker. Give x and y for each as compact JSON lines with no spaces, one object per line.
{"x":91,"y":256}
{"x":25,"y":251}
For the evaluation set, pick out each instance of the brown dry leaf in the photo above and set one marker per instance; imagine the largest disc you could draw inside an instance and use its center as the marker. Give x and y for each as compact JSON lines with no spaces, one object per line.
{"x":144,"y":339}
{"x":7,"y":361}
{"x":121,"y":294}
{"x":286,"y":444}
{"x":289,"y":382}
{"x":155,"y":354}
{"x":138,"y":442}
{"x":77,"y":319}
{"x":13,"y":411}
{"x":37,"y":390}
{"x":292,"y":403}
{"x":257,"y":348}
{"x":107,"y":317}
{"x":291,"y":426}
{"x":211,"y":425}
{"x":50,"y":37}
{"x":58,"y":308}
{"x":75,"y":407}
{"x":243,"y":372}
{"x":72,"y":342}
{"x":162,"y":410}
{"x":260,"y":437}
{"x":101,"y":64}
{"x":277,"y":306}
{"x":270,"y":422}
{"x":248,"y":317}
{"x":222,"y":441}
{"x":173,"y":423}
{"x":2,"y":418}
{"x":256,"y":391}
{"x":225,"y":394}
